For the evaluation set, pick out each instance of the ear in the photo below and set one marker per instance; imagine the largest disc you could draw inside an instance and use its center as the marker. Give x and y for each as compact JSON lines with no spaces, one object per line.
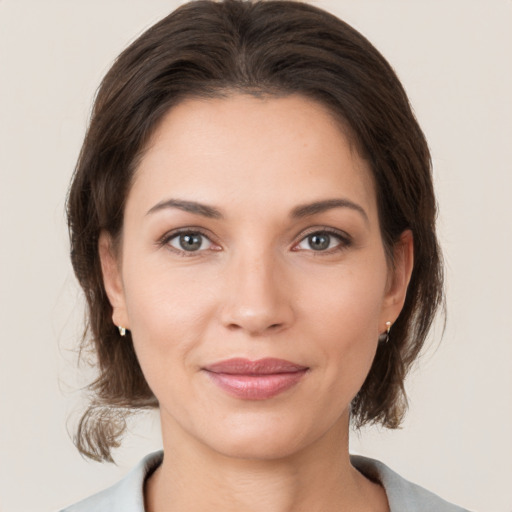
{"x":112,"y":280}
{"x":400,"y":275}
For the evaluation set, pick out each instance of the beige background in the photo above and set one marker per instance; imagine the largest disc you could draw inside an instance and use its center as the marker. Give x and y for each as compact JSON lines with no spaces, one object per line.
{"x":454,"y":59}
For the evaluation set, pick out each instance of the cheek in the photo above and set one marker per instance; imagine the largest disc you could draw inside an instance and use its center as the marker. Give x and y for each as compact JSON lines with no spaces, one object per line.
{"x":168,"y":313}
{"x":348,"y":300}
{"x":343,"y":313}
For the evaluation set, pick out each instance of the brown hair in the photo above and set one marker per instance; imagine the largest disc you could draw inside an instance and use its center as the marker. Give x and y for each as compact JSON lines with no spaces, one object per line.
{"x":209,"y":49}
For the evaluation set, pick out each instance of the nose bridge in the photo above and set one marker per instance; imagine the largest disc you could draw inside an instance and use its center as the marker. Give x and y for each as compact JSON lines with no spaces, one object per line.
{"x":256,"y":296}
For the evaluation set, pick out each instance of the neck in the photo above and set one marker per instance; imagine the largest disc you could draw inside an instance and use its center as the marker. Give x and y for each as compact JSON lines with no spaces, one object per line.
{"x":318,"y":478}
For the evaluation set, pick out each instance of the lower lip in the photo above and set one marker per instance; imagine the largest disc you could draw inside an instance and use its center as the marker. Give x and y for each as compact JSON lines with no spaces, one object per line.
{"x":256,"y":387}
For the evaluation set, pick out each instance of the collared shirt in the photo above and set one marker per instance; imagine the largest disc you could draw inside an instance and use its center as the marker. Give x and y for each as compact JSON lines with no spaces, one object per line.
{"x":128,"y":494}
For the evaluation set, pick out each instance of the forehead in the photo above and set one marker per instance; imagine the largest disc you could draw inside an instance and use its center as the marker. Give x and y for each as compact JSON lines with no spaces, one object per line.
{"x":246,"y":150}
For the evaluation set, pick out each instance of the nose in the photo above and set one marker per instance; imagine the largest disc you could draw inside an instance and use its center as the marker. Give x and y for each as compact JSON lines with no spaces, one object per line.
{"x":257,"y":297}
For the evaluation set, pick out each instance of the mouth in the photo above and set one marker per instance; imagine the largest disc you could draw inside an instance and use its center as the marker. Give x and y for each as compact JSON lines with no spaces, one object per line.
{"x":255,"y":380}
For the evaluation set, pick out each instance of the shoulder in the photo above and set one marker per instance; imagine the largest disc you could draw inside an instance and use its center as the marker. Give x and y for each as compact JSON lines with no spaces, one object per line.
{"x":402,"y":494}
{"x":125,"y":496}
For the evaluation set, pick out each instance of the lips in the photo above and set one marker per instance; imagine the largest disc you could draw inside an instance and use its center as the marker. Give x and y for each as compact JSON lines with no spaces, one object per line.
{"x":255,"y":380}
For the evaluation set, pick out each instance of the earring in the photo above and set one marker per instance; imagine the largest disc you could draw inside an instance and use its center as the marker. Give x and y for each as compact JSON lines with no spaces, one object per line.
{"x":122,"y":330}
{"x":384,"y":337}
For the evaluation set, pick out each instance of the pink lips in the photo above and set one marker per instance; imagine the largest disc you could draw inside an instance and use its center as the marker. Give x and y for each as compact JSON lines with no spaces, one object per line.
{"x":255,"y":380}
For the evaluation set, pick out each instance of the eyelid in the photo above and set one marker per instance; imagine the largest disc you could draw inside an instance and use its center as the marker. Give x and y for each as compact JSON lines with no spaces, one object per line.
{"x":344,"y":238}
{"x":164,"y":240}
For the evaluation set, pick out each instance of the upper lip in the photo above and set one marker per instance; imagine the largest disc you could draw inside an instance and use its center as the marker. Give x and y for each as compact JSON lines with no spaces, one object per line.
{"x":266,"y":366}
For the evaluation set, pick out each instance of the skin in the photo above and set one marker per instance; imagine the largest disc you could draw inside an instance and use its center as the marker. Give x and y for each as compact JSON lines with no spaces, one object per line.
{"x":255,"y":288}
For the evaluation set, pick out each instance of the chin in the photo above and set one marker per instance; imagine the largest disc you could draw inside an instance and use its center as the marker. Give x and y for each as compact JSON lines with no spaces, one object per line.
{"x":263,"y":438}
{"x":258,"y":448}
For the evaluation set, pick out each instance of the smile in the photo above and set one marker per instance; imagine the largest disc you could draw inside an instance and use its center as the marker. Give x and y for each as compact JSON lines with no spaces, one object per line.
{"x":255,"y":380}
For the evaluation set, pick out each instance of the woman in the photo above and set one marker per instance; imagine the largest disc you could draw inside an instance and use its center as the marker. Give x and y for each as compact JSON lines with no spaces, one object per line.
{"x":253,"y":224}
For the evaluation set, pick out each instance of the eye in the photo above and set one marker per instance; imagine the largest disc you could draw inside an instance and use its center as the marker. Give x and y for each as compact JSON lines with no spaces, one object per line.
{"x":322,"y":241}
{"x":190,"y":241}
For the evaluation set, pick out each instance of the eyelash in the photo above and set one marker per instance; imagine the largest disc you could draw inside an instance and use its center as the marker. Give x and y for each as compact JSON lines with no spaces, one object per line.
{"x":345,"y":240}
{"x":166,"y":239}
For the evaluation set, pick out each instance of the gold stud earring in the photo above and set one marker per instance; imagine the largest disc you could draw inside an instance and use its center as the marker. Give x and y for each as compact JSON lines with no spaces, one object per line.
{"x":122,"y":330}
{"x":384,"y":337}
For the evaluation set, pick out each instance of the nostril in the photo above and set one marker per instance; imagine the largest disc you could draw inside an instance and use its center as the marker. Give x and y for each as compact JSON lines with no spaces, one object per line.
{"x":235,"y":327}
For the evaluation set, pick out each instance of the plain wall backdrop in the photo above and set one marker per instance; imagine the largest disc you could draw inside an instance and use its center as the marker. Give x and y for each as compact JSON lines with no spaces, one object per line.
{"x":454,"y":59}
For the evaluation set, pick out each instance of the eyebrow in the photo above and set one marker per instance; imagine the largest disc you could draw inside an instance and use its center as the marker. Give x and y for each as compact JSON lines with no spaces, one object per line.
{"x":187,"y":206}
{"x":309,"y":209}
{"x":300,"y":211}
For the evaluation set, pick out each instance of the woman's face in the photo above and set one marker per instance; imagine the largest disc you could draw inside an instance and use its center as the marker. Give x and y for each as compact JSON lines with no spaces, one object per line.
{"x":252,"y":274}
